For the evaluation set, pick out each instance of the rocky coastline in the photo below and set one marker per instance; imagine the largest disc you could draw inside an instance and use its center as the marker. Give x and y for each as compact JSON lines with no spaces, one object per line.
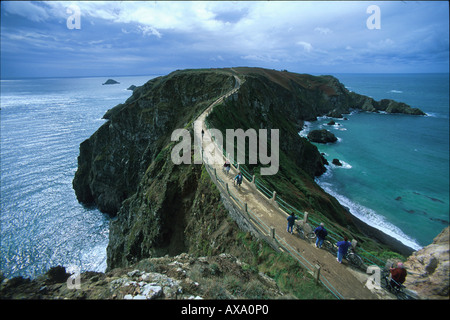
{"x":168,"y":212}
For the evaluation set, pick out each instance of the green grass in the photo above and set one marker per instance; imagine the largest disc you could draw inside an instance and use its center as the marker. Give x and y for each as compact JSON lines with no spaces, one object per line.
{"x":290,"y":277}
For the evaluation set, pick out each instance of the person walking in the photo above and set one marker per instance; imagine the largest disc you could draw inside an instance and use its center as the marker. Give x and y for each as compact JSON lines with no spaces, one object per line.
{"x":291,"y":221}
{"x":321,"y":233}
{"x":342,"y":249}
{"x":227,"y":167}
{"x":238,"y":179}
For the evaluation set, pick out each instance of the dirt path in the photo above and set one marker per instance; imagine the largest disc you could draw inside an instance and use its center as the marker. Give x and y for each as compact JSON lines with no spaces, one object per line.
{"x":349,"y":283}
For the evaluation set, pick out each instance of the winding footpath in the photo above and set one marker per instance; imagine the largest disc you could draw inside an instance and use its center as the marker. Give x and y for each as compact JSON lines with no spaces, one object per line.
{"x":349,"y":283}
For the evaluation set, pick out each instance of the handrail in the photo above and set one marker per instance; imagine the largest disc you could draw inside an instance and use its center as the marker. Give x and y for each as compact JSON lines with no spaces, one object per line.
{"x":266,"y":229}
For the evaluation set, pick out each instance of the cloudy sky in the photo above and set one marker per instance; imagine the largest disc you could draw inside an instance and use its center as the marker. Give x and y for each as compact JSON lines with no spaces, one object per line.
{"x":50,"y":39}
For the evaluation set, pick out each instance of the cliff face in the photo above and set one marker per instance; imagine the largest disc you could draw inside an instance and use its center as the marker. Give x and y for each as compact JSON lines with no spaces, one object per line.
{"x":428,"y":269}
{"x":161,"y":208}
{"x":113,"y":160}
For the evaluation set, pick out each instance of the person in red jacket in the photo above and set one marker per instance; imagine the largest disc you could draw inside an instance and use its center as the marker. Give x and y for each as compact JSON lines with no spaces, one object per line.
{"x":398,"y":275}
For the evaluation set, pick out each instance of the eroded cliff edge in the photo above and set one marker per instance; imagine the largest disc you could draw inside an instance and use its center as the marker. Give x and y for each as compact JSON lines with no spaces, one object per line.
{"x":125,"y":168}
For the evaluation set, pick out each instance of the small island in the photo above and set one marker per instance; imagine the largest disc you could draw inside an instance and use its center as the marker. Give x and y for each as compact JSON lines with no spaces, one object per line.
{"x":110,"y":81}
{"x":322,"y":136}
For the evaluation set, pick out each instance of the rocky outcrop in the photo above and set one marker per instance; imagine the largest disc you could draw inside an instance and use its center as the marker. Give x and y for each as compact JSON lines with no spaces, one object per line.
{"x":386,"y":105}
{"x":180,"y":277}
{"x":110,"y":81}
{"x":322,"y":136}
{"x":336,"y":162}
{"x":428,"y":269}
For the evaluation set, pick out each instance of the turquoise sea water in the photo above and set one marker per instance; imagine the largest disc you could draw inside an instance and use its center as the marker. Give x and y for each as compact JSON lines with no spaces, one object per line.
{"x":396,"y":167}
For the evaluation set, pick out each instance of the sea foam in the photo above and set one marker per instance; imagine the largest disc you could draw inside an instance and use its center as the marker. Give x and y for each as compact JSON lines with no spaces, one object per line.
{"x":369,"y":216}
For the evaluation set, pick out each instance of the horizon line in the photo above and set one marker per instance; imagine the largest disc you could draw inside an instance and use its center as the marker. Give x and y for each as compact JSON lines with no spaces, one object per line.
{"x":163,"y":74}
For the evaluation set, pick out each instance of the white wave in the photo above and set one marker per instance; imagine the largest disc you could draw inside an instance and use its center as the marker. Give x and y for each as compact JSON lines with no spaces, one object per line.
{"x":345,"y":165}
{"x":339,"y":127}
{"x":436,"y":115}
{"x":305,"y":130}
{"x":370,"y":217}
{"x":396,"y":91}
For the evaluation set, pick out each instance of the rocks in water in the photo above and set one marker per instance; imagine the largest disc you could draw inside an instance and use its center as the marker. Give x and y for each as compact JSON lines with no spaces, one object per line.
{"x":336,"y":162}
{"x":110,"y":81}
{"x":322,"y":136}
{"x":132,"y":87}
{"x":336,"y":113}
{"x":391,"y":106}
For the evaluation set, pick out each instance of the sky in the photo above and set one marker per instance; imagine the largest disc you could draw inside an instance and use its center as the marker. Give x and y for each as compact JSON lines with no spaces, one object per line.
{"x":118,"y":38}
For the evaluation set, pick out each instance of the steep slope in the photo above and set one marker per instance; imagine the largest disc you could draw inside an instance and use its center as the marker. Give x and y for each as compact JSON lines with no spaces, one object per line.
{"x":113,"y":160}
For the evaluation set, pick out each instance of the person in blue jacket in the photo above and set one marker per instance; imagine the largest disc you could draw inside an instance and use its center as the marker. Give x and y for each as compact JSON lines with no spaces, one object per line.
{"x":291,"y":221}
{"x":321,"y":233}
{"x":343,"y":248}
{"x":238,"y":179}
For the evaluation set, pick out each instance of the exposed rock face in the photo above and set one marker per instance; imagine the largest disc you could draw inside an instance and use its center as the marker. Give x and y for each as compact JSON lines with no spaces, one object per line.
{"x":178,"y":277}
{"x":428,"y":269}
{"x":113,"y":160}
{"x":322,"y":136}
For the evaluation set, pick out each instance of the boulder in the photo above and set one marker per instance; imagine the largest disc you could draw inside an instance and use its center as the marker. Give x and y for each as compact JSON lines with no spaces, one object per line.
{"x":321,"y":136}
{"x":428,"y":269}
{"x":57,"y":274}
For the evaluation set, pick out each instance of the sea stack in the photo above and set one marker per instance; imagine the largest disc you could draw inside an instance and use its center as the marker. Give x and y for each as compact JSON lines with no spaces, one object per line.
{"x":110,"y":81}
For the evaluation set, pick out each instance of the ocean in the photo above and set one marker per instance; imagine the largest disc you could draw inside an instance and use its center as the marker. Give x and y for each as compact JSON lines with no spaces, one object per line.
{"x":395,"y":174}
{"x":43,"y":122}
{"x":395,"y":168}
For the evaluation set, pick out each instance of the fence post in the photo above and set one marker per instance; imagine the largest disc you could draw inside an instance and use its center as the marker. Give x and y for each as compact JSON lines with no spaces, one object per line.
{"x":272,"y":232}
{"x":228,"y":190}
{"x":273,"y":201}
{"x":317,"y":273}
{"x":354,"y":243}
{"x":305,"y":217}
